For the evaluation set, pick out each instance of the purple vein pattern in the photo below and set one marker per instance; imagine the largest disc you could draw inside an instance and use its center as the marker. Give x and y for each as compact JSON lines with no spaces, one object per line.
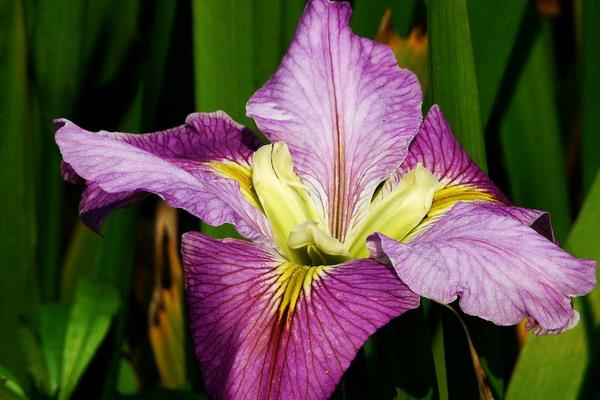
{"x":435,"y":147}
{"x":248,"y":352}
{"x":118,"y":168}
{"x":501,"y":270}
{"x":344,"y":108}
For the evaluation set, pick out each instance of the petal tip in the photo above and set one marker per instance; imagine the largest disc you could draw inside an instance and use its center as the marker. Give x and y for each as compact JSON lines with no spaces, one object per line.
{"x":59,"y":123}
{"x":535,"y":328}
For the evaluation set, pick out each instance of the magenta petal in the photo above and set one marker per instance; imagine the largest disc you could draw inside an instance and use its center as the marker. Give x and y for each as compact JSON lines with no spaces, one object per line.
{"x":436,"y":148}
{"x":247,"y":351}
{"x":538,"y":220}
{"x":345,"y":109}
{"x":96,"y":204}
{"x":118,"y":168}
{"x":501,"y":270}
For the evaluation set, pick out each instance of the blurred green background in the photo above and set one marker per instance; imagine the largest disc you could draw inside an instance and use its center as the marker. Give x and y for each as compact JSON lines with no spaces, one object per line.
{"x":101,"y":317}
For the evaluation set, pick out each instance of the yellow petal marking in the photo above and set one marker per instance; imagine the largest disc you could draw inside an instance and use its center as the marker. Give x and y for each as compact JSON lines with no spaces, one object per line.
{"x":446,"y":197}
{"x":292,"y":280}
{"x":240,"y":173}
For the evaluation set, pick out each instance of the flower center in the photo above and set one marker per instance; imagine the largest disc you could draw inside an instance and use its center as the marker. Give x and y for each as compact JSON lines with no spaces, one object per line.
{"x":395,"y":212}
{"x":286,"y":203}
{"x":298,"y":229}
{"x":317,"y":246}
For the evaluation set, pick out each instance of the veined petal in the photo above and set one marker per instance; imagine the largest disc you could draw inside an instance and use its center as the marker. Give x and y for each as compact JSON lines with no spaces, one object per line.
{"x":345,"y":109}
{"x":538,"y":220}
{"x":96,"y":204}
{"x":501,"y":270}
{"x":189,"y":166}
{"x":436,"y":148}
{"x":264,"y":328}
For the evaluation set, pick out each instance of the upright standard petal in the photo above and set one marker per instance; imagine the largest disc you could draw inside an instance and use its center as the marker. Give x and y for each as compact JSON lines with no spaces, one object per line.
{"x":436,"y":148}
{"x":501,"y":270}
{"x":264,"y":328}
{"x":345,"y":109}
{"x":202,"y":167}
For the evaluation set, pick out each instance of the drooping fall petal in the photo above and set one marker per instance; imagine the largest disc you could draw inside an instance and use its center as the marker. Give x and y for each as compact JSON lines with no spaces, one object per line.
{"x":202,"y":167}
{"x":500,"y":269}
{"x":345,"y":109}
{"x":266,"y":328}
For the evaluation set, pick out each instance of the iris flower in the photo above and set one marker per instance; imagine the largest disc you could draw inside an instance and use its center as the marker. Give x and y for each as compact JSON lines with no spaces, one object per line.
{"x":355,"y":209}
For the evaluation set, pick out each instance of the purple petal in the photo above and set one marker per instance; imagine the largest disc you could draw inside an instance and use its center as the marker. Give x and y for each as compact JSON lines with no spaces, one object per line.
{"x":96,"y":204}
{"x":345,"y":109}
{"x":538,"y":220}
{"x":119,"y":167}
{"x":249,"y":349}
{"x":502,"y":270}
{"x":436,"y":148}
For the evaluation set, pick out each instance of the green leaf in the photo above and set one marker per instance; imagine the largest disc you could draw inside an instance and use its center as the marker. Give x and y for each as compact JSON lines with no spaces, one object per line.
{"x":109,"y":35}
{"x":58,"y":52}
{"x":57,"y":55}
{"x":590,"y":90}
{"x":33,"y":357}
{"x":127,"y":381}
{"x":403,"y":13}
{"x":224,"y":55}
{"x":53,"y":323}
{"x":96,"y":258}
{"x":494,"y":28}
{"x":18,"y":228}
{"x":530,"y":137}
{"x":234,"y":59}
{"x":562,"y":366}
{"x":90,"y":317}
{"x":154,"y":73}
{"x":367,"y":15}
{"x":10,"y":387}
{"x":453,"y":78}
{"x":439,"y":359}
{"x":292,"y":9}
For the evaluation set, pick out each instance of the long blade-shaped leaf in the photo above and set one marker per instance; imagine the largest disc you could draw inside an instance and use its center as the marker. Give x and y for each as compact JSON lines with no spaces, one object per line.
{"x":403,"y":12}
{"x":57,"y":69}
{"x":555,"y":367}
{"x":530,"y":137}
{"x":453,"y":78}
{"x":93,"y":308}
{"x":590,"y":89}
{"x":223,"y":55}
{"x":367,"y":16}
{"x":494,"y":27}
{"x":53,"y":322}
{"x":10,"y":387}
{"x":17,"y":230}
